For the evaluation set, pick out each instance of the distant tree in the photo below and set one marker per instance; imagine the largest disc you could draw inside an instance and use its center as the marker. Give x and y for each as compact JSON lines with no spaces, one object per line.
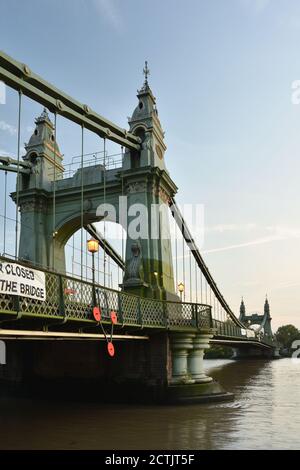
{"x":286,"y":334}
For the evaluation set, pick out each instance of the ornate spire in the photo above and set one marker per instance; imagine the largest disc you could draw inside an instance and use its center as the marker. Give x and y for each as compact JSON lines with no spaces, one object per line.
{"x":267,"y":306}
{"x":43,"y":117}
{"x":145,"y":123}
{"x":146,"y":72}
{"x":242,"y":308}
{"x":146,"y":88}
{"x":43,"y":144}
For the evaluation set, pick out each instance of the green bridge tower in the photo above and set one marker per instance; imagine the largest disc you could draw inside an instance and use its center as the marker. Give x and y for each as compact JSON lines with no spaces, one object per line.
{"x":52,"y":211}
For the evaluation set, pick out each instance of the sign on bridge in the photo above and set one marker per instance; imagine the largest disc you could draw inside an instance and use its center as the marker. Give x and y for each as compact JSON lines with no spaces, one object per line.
{"x":20,"y":280}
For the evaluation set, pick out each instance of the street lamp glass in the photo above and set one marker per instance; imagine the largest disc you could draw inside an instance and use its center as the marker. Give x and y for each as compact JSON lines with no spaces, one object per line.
{"x":181,"y":287}
{"x":93,"y":245}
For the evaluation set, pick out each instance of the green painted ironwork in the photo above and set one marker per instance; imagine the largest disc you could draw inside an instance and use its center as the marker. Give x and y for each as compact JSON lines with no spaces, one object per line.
{"x":21,"y":78}
{"x":69,"y":302}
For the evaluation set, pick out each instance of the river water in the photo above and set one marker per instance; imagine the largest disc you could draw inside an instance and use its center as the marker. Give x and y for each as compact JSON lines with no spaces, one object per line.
{"x":264,"y":415}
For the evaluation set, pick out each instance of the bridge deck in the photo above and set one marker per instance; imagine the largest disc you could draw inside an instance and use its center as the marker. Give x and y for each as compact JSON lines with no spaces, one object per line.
{"x":69,"y":308}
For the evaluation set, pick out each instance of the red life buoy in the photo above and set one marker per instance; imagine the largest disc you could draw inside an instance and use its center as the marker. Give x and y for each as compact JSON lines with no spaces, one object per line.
{"x":110,"y":349}
{"x":97,"y":313}
{"x":113,"y":317}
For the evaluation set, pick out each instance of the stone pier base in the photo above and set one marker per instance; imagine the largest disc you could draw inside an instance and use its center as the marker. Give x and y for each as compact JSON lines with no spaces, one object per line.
{"x":197,"y":393}
{"x":188,"y":382}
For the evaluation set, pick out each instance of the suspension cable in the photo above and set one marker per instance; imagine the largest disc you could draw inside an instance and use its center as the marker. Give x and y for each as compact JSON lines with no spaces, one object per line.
{"x":104,"y":199}
{"x":196,"y":280}
{"x":176,"y":254}
{"x":201,"y":287}
{"x":81,"y":213}
{"x":189,"y":239}
{"x":183,"y":268}
{"x":98,"y":254}
{"x":73,"y":253}
{"x":54,"y":195}
{"x":18,"y":173}
{"x":5,"y":213}
{"x":108,"y":271}
{"x":122,"y":187}
{"x":86,"y":257}
{"x":190,"y":262}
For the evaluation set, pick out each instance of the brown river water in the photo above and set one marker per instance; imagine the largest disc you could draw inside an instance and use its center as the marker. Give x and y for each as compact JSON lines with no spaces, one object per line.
{"x":265,"y":414}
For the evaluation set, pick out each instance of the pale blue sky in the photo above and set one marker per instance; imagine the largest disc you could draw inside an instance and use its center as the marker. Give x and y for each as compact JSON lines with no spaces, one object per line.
{"x":222,"y":73}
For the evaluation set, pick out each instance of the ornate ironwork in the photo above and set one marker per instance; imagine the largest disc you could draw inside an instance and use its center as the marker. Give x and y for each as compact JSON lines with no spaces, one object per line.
{"x":72,"y":299}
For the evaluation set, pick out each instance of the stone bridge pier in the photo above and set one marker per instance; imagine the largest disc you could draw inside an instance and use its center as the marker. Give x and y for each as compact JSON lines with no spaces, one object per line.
{"x":189,"y":382}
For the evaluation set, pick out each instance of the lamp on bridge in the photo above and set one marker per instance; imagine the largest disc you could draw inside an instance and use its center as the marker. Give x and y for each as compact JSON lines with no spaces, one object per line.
{"x":181,"y":289}
{"x":93,"y":247}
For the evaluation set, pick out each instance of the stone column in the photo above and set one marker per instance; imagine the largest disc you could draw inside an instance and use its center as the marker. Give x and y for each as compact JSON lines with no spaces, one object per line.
{"x":195,"y":359}
{"x":181,"y":344}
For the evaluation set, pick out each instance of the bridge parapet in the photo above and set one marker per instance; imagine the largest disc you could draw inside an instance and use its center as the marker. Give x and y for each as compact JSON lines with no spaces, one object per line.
{"x":71,"y":300}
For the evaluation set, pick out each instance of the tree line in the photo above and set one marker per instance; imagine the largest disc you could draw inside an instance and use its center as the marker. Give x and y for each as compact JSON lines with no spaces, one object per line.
{"x":285,"y":335}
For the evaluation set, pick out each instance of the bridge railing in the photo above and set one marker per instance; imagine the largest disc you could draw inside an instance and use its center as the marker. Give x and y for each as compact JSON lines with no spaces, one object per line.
{"x":266,"y":339}
{"x":71,"y":299}
{"x":227,"y":328}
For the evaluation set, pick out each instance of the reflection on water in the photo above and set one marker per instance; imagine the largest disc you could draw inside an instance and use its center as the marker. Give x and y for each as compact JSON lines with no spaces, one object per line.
{"x":264,"y":414}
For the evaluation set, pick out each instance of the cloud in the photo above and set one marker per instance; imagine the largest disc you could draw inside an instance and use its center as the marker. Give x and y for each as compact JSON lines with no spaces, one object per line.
{"x":258,"y":6}
{"x":279,"y":233}
{"x":8,"y":128}
{"x":13,"y":154}
{"x":108,"y":10}
{"x":283,"y":232}
{"x":4,"y":153}
{"x":257,"y":241}
{"x":276,"y":233}
{"x":230,"y":227}
{"x":284,"y":285}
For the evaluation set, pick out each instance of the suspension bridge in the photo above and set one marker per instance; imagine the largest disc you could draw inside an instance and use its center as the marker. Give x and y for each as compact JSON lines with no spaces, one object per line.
{"x":53,"y":288}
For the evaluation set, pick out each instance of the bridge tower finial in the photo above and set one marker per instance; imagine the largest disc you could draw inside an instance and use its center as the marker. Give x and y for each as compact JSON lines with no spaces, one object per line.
{"x":266,"y":306}
{"x":267,"y":328}
{"x":146,"y":72}
{"x":242,"y":310}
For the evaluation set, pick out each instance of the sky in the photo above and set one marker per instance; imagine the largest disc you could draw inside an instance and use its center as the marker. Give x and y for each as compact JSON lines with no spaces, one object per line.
{"x":222,"y":73}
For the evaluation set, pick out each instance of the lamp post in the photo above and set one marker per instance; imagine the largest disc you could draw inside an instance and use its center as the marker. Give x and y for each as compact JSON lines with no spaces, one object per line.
{"x":181,"y":289}
{"x":93,"y":247}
